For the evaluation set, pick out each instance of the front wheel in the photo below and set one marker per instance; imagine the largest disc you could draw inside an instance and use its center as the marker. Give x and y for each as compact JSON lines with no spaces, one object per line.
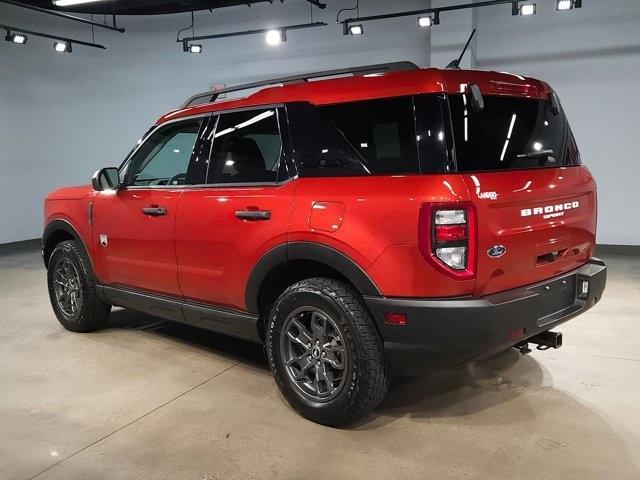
{"x":72,"y":289}
{"x":325,"y":353}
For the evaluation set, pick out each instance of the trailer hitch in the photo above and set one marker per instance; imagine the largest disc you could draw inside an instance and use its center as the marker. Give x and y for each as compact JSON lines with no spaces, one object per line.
{"x":544,"y":341}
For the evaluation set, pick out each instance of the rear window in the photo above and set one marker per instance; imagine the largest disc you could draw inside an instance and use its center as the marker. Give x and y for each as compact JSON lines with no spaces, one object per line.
{"x":510,"y":133}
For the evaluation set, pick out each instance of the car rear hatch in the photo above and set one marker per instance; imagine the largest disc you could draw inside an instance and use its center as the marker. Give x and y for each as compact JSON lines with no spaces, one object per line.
{"x":535,"y":203}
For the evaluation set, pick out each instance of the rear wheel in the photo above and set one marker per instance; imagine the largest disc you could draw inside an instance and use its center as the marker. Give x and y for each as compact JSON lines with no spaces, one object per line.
{"x":72,"y":289}
{"x":325,"y":353}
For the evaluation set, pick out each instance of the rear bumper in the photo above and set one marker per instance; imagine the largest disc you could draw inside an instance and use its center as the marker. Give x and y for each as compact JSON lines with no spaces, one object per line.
{"x":445,"y":333}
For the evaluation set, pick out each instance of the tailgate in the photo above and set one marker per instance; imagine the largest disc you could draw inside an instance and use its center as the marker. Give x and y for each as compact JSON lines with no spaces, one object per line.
{"x":545,"y":219}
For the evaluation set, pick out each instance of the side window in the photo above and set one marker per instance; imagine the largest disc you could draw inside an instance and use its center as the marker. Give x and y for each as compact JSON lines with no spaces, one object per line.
{"x":382,"y":131}
{"x":246,"y":148}
{"x":434,"y":144}
{"x":164,"y":157}
{"x":320,"y":149}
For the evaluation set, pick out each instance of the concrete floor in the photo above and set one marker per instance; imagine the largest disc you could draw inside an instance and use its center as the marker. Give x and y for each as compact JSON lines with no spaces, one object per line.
{"x":147,"y":399}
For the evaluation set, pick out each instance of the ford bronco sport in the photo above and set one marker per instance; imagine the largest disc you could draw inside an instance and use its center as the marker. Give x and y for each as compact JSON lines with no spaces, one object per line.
{"x":388,"y":220}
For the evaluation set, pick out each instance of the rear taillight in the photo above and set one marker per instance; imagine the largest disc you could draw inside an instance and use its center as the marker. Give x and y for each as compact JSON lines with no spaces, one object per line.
{"x":447,"y":238}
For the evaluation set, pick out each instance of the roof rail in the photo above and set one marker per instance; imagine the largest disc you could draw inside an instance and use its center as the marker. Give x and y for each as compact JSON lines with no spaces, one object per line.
{"x":212,"y":95}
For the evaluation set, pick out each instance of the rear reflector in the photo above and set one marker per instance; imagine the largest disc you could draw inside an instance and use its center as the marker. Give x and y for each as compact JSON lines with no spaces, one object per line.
{"x":515,"y":334}
{"x":447,"y":233}
{"x":394,"y":318}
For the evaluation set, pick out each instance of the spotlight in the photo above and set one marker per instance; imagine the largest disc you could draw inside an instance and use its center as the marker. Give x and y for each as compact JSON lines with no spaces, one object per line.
{"x":564,"y":5}
{"x":275,"y":37}
{"x":195,"y":48}
{"x":62,"y":47}
{"x":528,"y":9}
{"x":428,"y":21}
{"x":356,"y":29}
{"x":18,"y":38}
{"x":425,"y":22}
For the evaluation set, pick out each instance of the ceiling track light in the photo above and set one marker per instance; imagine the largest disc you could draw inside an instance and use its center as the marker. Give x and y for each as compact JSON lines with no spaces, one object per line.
{"x":356,"y":29}
{"x":429,"y":20}
{"x":17,"y":38}
{"x":564,"y":5}
{"x":191,"y":47}
{"x":528,"y":9}
{"x":524,"y":10}
{"x":60,"y":46}
{"x":273,"y":36}
{"x":11,"y":36}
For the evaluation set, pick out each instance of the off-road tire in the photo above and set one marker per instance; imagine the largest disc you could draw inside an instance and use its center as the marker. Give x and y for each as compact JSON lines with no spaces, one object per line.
{"x":366,"y":372}
{"x":92,"y":312}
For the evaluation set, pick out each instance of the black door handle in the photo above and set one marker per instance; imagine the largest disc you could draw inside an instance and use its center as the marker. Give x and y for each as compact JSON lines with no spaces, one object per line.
{"x":254,"y":214}
{"x":155,"y":211}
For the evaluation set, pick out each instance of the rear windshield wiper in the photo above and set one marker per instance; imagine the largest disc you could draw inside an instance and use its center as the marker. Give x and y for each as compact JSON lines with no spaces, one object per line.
{"x":537,"y":154}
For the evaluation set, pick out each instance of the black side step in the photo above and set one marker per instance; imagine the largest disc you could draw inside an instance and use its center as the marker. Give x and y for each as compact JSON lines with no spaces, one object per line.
{"x":230,"y":322}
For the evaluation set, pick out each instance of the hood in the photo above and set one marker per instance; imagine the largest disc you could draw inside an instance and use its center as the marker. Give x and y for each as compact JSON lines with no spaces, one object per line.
{"x":70,"y":193}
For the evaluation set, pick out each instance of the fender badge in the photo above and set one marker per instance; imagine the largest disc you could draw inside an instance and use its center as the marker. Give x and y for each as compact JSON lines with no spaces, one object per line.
{"x":104,"y":241}
{"x":497,"y":251}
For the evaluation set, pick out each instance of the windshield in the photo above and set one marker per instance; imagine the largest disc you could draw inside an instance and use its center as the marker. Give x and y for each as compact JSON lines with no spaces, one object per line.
{"x":510,"y":133}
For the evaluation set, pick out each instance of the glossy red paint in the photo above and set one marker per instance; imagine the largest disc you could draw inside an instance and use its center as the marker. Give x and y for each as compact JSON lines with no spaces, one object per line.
{"x":380,"y":228}
{"x":216,"y":250}
{"x":326,"y":216}
{"x":530,"y":237}
{"x":141,"y":248}
{"x":392,"y":84}
{"x":202,"y":251}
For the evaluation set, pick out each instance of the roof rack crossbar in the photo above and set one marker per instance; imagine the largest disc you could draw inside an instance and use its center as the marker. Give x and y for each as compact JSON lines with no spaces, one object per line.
{"x":212,"y":95}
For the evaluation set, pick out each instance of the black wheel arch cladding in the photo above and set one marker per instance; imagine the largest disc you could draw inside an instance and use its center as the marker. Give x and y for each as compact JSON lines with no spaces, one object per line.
{"x":316,"y":252}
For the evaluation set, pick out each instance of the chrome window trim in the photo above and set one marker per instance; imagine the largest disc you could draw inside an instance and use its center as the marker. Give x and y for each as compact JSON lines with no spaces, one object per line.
{"x":242,"y":184}
{"x":235,"y":185}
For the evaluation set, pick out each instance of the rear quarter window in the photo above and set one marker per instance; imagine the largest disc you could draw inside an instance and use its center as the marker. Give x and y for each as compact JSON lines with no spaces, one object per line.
{"x":356,"y":138}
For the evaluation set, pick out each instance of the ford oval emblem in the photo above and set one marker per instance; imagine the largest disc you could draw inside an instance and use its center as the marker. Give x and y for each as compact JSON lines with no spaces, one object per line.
{"x":497,"y":251}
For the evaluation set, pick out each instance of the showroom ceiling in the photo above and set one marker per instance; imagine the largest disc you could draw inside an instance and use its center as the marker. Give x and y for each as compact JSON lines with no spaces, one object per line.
{"x":142,"y":7}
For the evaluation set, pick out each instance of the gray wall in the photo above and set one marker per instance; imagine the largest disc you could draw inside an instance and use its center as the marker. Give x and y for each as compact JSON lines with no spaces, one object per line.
{"x":63,"y":116}
{"x":591,"y":57}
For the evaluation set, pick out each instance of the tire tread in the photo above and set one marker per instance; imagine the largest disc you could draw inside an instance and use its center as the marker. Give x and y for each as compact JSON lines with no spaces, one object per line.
{"x":375,"y":372}
{"x":94,"y":312}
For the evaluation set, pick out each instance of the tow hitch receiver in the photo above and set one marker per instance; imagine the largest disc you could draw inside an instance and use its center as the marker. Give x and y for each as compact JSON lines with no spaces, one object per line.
{"x":544,"y":341}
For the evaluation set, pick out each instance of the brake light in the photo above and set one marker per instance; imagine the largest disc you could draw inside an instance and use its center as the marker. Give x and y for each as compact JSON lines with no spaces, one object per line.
{"x":447,"y":238}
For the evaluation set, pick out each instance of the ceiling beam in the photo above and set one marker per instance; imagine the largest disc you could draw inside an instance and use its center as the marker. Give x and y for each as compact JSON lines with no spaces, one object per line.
{"x":318,"y":4}
{"x":64,"y":15}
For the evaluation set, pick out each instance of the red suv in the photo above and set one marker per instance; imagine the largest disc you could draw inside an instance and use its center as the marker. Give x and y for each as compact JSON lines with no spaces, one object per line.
{"x":395,"y":220}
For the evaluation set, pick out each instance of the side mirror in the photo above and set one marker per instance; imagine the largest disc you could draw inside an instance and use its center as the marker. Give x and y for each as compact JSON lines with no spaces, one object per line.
{"x":106,"y":179}
{"x":477,"y":100}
